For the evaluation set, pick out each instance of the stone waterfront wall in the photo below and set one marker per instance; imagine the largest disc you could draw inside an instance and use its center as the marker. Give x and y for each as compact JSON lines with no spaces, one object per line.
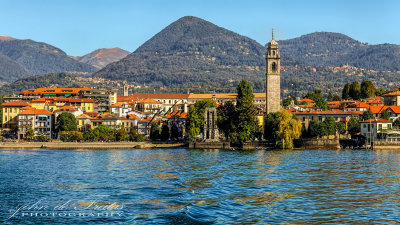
{"x":386,"y":145}
{"x":320,"y":144}
{"x":209,"y":145}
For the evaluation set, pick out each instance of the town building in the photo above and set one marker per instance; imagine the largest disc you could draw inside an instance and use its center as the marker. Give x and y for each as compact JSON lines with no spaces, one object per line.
{"x":39,"y":120}
{"x":318,"y":115}
{"x":375,"y":128}
{"x":10,"y":113}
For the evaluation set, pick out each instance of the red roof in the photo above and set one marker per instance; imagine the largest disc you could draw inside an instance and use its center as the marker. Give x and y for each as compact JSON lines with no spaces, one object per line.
{"x":67,"y":108}
{"x":18,"y":103}
{"x":377,"y":108}
{"x":126,"y":98}
{"x":329,"y":112}
{"x":159,"y":96}
{"x":180,"y":115}
{"x":306,"y":100}
{"x":378,"y":120}
{"x":54,"y":90}
{"x":395,"y":93}
{"x":35,"y":112}
{"x":147,"y":100}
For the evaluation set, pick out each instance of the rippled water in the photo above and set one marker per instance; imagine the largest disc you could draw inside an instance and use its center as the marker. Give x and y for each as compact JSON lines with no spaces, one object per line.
{"x":180,"y":186}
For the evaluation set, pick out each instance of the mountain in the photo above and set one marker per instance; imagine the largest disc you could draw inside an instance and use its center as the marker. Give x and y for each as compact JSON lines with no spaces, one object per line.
{"x":335,"y":49}
{"x":102,"y":57}
{"x":38,"y":58}
{"x":191,"y":52}
{"x":9,"y":67}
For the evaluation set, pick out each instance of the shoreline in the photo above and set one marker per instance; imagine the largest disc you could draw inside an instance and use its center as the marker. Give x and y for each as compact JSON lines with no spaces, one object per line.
{"x":86,"y":145}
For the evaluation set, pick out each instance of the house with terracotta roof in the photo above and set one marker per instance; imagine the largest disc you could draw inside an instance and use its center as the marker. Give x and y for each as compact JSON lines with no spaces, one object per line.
{"x":171,"y":102}
{"x":52,"y":92}
{"x":318,"y":115}
{"x":68,"y":108}
{"x":179,"y":119}
{"x":39,"y":120}
{"x":10,"y":113}
{"x":149,"y":105}
{"x":83,"y":122}
{"x":375,"y":128}
{"x":393,"y":110}
{"x":121,"y":108}
{"x":107,"y":119}
{"x":52,"y":104}
{"x":392,"y":98}
{"x":356,"y":106}
{"x":129,"y":122}
{"x":144,"y":125}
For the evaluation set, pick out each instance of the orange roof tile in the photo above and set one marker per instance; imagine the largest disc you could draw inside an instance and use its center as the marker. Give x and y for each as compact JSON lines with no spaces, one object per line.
{"x":395,"y":109}
{"x":377,"y":108}
{"x":67,"y":108}
{"x":27,"y":107}
{"x":329,"y":112}
{"x":54,"y":90}
{"x":378,"y":120}
{"x":147,"y":100}
{"x":306,"y":100}
{"x":18,"y":103}
{"x":395,"y":93}
{"x":36,"y":112}
{"x":159,"y":96}
{"x":180,"y":115}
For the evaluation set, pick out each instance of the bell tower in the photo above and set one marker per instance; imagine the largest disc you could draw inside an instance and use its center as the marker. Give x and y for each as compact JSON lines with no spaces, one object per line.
{"x":273,"y":77}
{"x":126,"y":90}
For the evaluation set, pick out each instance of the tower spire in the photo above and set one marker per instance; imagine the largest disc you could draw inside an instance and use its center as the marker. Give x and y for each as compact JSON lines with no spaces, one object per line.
{"x":272,"y":33}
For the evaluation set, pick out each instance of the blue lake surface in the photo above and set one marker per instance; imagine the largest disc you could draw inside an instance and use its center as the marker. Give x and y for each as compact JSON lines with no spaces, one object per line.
{"x":181,"y":186}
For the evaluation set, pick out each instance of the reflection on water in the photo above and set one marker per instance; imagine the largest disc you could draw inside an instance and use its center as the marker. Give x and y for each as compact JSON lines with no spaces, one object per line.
{"x":179,"y":186}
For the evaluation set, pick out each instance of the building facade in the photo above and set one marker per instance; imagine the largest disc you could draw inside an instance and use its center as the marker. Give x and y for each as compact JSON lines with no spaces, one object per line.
{"x":273,"y":77}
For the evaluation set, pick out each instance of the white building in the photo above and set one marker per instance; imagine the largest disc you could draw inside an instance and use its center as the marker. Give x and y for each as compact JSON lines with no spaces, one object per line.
{"x":121,"y":109}
{"x":372,"y":127}
{"x":39,"y":120}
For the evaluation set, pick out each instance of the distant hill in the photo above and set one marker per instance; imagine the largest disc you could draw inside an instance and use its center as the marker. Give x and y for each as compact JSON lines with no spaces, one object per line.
{"x":102,"y":57}
{"x":37,"y":58}
{"x":335,"y":49}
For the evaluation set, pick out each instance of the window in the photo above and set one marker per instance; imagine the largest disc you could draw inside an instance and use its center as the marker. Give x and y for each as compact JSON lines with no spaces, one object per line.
{"x":273,"y":52}
{"x":5,"y":109}
{"x":365,"y":125}
{"x":389,"y":126}
{"x":320,"y":118}
{"x":380,"y":126}
{"x":304,"y":118}
{"x":273,"y":66}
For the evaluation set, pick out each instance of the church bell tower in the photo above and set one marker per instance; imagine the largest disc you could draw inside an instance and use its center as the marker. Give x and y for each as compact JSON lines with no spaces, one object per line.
{"x":273,"y":77}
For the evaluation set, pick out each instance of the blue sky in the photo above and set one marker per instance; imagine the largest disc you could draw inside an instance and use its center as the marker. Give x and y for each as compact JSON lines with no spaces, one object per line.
{"x":81,"y":26}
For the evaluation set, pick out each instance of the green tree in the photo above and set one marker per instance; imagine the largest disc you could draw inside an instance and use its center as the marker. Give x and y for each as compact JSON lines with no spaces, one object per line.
{"x":287,"y":101}
{"x":386,"y":114}
{"x":155,"y":131}
{"x":246,"y":112}
{"x":30,"y":133}
{"x":346,"y":91}
{"x":337,"y":98}
{"x":164,"y":132}
{"x":90,"y":135}
{"x":121,"y":135}
{"x":330,"y":126}
{"x":380,"y":92}
{"x":195,"y":117}
{"x":289,"y":129}
{"x":271,"y":126}
{"x":135,"y":136}
{"x":226,"y":120}
{"x":396,"y":123}
{"x":104,"y":133}
{"x":367,"y":115}
{"x":316,"y":129}
{"x":66,"y":122}
{"x":355,"y":90}
{"x":330,"y":96}
{"x":353,"y":126}
{"x":367,"y":89}
{"x":68,"y":136}
{"x":341,"y":127}
{"x":322,"y":104}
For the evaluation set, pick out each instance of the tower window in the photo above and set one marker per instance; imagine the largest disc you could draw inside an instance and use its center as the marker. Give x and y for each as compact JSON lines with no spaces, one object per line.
{"x":273,"y":66}
{"x":273,"y":52}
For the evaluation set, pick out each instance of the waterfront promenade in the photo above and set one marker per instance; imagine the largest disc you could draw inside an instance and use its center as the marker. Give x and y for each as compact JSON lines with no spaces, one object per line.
{"x":85,"y":145}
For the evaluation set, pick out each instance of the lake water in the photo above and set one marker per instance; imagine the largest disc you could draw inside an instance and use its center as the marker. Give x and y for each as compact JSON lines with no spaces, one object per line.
{"x":180,"y":186}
